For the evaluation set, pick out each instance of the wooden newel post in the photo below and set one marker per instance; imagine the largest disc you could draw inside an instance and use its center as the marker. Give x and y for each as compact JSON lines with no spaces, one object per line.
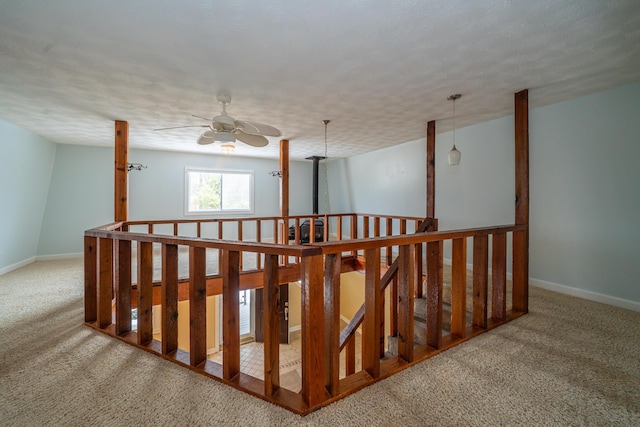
{"x":313,"y":333}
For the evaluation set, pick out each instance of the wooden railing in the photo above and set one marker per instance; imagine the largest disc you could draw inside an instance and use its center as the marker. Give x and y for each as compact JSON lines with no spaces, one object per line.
{"x":369,"y":243}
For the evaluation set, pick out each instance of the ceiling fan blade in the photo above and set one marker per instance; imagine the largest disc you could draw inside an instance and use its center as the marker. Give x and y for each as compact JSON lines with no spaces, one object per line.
{"x":249,"y":139}
{"x":207,"y":137}
{"x":254,"y":128}
{"x":181,"y":127}
{"x":200,"y":117}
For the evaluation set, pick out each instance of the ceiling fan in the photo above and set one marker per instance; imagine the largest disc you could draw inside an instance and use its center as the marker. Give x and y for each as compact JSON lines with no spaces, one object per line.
{"x":227,"y":130}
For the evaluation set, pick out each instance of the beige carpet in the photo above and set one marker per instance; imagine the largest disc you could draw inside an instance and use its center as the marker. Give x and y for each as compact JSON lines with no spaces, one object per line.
{"x":568,"y":362}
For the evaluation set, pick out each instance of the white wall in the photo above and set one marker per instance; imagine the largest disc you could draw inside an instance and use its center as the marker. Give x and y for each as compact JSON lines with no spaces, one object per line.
{"x":81,"y":193}
{"x":80,"y":197}
{"x":26,"y":162}
{"x":584,"y":185}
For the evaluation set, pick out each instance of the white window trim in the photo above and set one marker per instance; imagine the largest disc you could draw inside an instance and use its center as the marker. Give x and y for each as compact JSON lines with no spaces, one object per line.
{"x":225,"y":212}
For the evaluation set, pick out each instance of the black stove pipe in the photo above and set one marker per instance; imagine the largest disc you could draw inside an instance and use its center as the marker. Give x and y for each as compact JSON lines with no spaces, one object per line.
{"x":316,"y":162}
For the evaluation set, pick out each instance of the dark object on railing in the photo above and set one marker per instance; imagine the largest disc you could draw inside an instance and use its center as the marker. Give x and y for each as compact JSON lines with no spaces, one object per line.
{"x":305,"y":235}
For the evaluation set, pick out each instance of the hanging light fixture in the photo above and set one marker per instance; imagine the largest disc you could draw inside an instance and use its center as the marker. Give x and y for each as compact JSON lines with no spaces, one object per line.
{"x":454,"y":154}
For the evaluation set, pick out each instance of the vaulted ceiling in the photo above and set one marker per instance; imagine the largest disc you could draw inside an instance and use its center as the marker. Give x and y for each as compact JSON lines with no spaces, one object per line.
{"x":379,"y":70}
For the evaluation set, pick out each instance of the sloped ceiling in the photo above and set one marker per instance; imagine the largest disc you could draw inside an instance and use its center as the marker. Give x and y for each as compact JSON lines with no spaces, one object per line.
{"x":379,"y":70}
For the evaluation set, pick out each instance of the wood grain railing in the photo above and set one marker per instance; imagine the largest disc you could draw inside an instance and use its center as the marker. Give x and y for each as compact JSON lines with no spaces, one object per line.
{"x":368,"y":243}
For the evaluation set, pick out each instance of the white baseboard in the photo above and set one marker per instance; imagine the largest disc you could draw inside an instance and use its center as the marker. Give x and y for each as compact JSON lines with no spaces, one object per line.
{"x":17,"y":265}
{"x":584,"y":294}
{"x":59,"y":256}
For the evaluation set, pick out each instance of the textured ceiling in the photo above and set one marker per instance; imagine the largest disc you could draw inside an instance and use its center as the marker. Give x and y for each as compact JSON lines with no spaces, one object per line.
{"x":378,"y":69}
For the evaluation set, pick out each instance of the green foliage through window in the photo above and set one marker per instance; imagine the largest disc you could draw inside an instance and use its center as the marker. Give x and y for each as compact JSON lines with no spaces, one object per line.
{"x":214,"y":191}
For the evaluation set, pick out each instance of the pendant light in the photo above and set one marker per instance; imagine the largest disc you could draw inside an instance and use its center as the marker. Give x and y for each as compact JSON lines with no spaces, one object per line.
{"x":454,"y":154}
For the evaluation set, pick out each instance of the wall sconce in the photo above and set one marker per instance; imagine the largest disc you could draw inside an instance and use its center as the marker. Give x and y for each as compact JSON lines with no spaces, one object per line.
{"x":454,"y":154}
{"x":135,"y":167}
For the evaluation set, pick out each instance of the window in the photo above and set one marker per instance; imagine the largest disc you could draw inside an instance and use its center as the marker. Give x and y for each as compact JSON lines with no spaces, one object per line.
{"x":210,"y":191}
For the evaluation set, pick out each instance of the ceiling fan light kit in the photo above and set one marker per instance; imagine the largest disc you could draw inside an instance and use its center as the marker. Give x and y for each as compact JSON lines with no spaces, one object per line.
{"x":454,"y":154}
{"x":226,"y":130}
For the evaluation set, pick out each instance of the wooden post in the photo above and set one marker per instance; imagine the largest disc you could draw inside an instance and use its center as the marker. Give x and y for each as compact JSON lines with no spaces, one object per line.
{"x":332,"y":322}
{"x":313,"y":334}
{"x":90,"y":279}
{"x":145,"y":292}
{"x":434,"y":295}
{"x":431,"y":169}
{"x":499,"y":276}
{"x":169,"y":298}
{"x":197,"y":306}
{"x":373,"y":312}
{"x":123,"y":288}
{"x":105,"y":283}
{"x":120,"y":203}
{"x":230,"y":314}
{"x":480,"y":271}
{"x":405,"y":302}
{"x":459,"y":287}
{"x":284,"y":190}
{"x":271,"y":322}
{"x":521,"y":239}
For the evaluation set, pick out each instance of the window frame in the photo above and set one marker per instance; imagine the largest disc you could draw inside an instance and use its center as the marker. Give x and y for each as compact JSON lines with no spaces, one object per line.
{"x":222,"y":211}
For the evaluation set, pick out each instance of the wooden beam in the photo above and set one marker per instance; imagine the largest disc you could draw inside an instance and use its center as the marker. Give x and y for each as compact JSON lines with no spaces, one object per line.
{"x":431,"y":169}
{"x":521,"y":239}
{"x":284,"y":179}
{"x":120,"y":203}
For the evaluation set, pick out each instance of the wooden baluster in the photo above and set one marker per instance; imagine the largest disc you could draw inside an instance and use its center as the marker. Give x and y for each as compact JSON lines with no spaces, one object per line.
{"x":271,"y":324}
{"x":90,"y":279}
{"x":480,"y":266}
{"x":105,"y":283}
{"x":259,"y":239}
{"x":150,"y":228}
{"x":403,"y":226}
{"x":459,"y":288}
{"x":220,"y":235}
{"x":434,"y":295}
{"x":175,"y":228}
{"x":405,"y":301}
{"x":230,"y":314}
{"x":145,"y":292}
{"x":499,"y":276}
{"x":354,"y":231}
{"x":240,"y":240}
{"x":389,"y":232}
{"x":296,"y":231}
{"x":197,"y":306}
{"x":520,"y":296}
{"x":393,"y":307}
{"x":372,"y":315}
{"x":312,"y":230}
{"x":199,"y":229}
{"x":365,"y":227}
{"x":326,"y":228}
{"x":376,"y":226}
{"x":339,"y":228}
{"x":313,"y":334}
{"x":169,"y":298}
{"x":123,"y":288}
{"x":350,"y":356}
{"x":418,"y":269}
{"x":333,"y":264}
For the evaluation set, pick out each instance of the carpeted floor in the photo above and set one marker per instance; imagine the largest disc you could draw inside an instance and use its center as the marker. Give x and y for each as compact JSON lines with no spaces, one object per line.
{"x":568,"y":362}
